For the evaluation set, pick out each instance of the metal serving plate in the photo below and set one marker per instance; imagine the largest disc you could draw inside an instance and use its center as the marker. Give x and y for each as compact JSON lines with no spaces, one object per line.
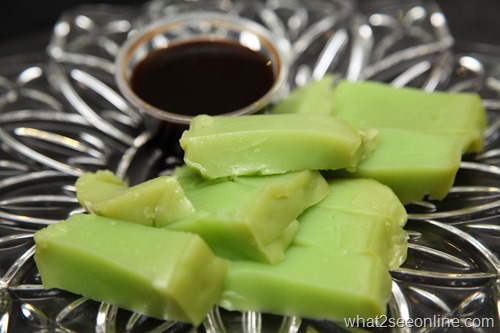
{"x":63,"y":116}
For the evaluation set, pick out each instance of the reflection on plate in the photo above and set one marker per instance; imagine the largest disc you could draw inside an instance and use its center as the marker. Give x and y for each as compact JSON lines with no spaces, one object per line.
{"x":454,"y":254}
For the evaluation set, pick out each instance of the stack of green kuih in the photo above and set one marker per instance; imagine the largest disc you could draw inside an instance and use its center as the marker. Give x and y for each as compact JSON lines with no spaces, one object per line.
{"x":263,"y":216}
{"x":421,"y":136}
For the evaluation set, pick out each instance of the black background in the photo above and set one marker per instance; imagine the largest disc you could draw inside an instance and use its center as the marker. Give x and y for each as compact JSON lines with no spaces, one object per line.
{"x":25,"y":25}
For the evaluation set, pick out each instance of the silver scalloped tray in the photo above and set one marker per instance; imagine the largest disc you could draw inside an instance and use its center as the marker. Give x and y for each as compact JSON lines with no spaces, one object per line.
{"x":64,"y":116}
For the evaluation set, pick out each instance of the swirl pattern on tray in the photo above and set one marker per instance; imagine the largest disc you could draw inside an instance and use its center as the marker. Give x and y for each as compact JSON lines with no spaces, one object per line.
{"x":64,"y":116}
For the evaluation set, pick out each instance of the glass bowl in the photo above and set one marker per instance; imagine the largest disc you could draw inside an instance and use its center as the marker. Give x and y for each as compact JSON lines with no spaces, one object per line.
{"x":191,"y":27}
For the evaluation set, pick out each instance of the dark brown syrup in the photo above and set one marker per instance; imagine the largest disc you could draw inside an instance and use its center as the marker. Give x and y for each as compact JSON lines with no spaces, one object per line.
{"x":203,"y":77}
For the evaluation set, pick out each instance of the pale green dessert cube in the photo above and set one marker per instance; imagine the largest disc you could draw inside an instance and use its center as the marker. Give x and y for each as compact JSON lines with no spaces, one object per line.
{"x":156,"y":202}
{"x":348,"y":233}
{"x":378,"y":105}
{"x":359,"y":216}
{"x":246,"y":217}
{"x":156,"y":272}
{"x":315,"y":97}
{"x":310,"y":284}
{"x":421,"y":135}
{"x":370,"y":104}
{"x":346,"y":196}
{"x":97,"y":186}
{"x":226,"y":146}
{"x":368,"y":215}
{"x":338,"y":265}
{"x":413,"y":164}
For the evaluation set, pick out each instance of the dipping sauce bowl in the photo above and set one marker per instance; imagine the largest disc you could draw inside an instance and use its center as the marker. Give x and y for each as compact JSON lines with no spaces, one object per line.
{"x":201,"y":63}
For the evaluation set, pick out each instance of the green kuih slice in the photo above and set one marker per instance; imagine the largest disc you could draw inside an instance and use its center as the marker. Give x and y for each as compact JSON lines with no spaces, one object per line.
{"x":156,"y":272}
{"x":225,"y":146}
{"x":96,"y":187}
{"x":421,"y":135}
{"x":378,"y":105}
{"x":310,"y":284}
{"x":338,"y":265}
{"x":316,"y":97}
{"x":249,"y":217}
{"x":359,"y":216}
{"x":156,"y":202}
{"x":413,"y":163}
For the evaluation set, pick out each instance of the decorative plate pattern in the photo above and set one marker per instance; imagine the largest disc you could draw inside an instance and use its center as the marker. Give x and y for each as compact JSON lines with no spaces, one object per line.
{"x":63,"y":116}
